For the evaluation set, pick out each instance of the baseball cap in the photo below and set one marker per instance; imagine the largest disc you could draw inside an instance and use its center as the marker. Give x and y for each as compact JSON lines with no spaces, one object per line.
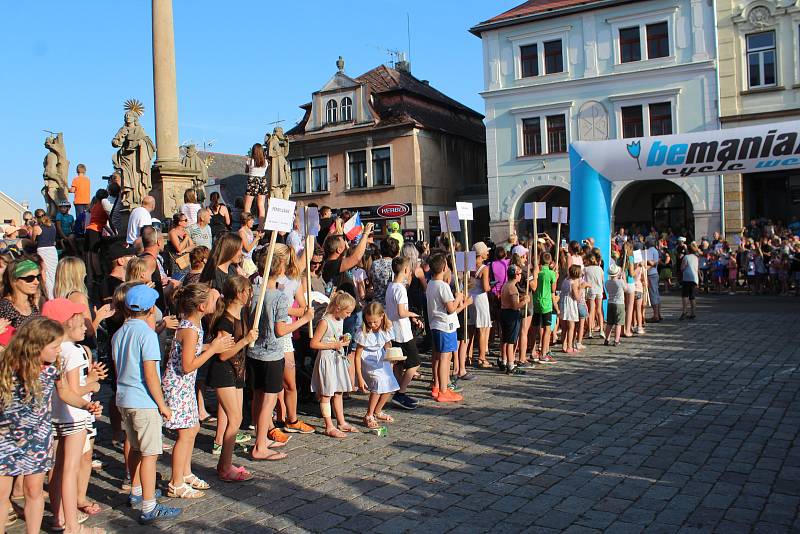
{"x":62,"y":310}
{"x":519,"y":250}
{"x":513,"y":271}
{"x":393,"y":226}
{"x":141,"y":298}
{"x":480,"y":248}
{"x":63,"y":203}
{"x":613,"y":269}
{"x":682,"y":239}
{"x":119,"y":249}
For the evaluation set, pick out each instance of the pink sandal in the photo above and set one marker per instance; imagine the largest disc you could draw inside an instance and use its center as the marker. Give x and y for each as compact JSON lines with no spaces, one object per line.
{"x":235,"y":474}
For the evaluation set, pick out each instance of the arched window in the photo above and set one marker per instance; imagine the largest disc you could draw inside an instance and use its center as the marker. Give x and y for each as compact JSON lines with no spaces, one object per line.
{"x":330,"y":111}
{"x":347,"y":109}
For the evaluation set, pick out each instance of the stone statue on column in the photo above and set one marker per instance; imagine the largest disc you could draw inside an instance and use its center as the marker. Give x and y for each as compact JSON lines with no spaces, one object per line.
{"x":192,"y":161}
{"x":134,"y":158}
{"x":56,"y":173}
{"x":279,"y":172}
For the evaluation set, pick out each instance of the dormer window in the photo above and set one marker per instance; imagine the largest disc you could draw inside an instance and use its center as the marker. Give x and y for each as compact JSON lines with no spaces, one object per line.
{"x":330,"y":111}
{"x":347,"y":109}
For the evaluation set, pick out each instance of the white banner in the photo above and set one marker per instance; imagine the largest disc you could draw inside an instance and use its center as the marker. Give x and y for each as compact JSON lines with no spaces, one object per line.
{"x":560,"y":215}
{"x":464,"y":210}
{"x":280,"y":215}
{"x":767,"y":147}
{"x":537,"y":208}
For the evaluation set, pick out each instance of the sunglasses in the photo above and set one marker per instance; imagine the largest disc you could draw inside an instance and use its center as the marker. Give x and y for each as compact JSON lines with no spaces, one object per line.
{"x":30,"y":278}
{"x":316,"y":263}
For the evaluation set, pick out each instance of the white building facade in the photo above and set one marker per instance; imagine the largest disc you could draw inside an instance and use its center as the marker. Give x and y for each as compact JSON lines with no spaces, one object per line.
{"x":560,"y":71}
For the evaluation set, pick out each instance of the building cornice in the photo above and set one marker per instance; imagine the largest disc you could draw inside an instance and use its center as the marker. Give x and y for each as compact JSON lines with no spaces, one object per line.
{"x":764,"y":115}
{"x":698,"y":66}
{"x":645,"y":94}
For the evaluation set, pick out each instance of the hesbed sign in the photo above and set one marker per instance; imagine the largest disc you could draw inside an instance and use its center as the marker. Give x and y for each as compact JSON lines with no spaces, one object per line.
{"x":391,"y":211}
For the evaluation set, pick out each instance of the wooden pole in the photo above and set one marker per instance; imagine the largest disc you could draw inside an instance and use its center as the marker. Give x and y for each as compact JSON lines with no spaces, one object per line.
{"x":309,"y":252}
{"x":453,"y":259}
{"x":558,"y":247}
{"x":466,"y":273}
{"x":264,"y":281}
{"x":532,"y":256}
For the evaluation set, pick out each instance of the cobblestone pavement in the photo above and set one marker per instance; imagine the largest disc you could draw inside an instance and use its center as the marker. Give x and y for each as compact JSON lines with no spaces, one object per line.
{"x":693,"y":427}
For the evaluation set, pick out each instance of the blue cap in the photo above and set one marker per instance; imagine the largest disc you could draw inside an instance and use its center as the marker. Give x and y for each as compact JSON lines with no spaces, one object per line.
{"x":141,"y":298}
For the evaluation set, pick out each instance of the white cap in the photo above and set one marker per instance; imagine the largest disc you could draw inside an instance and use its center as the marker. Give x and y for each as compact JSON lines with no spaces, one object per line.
{"x":519,"y":250}
{"x":682,"y":239}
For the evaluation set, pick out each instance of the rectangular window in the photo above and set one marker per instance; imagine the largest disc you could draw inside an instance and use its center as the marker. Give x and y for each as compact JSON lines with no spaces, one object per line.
{"x":553,"y":57}
{"x":556,"y":134}
{"x":531,"y":137}
{"x":630,"y":47}
{"x":298,"y":169}
{"x":381,"y":167}
{"x":660,"y":118}
{"x":319,"y":174}
{"x":761,"y":59}
{"x":657,"y":40}
{"x":357,"y":166}
{"x":632,"y":122}
{"x":529,"y":57}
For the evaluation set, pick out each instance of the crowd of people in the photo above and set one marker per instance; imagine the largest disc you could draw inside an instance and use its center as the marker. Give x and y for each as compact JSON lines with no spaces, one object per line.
{"x":165,"y":313}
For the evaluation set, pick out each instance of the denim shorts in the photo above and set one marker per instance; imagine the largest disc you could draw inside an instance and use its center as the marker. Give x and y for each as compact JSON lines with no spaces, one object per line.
{"x":583,"y":312}
{"x":444,"y":341}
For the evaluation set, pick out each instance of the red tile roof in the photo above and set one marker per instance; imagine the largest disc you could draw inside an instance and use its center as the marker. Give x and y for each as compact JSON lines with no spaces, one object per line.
{"x":533,"y":7}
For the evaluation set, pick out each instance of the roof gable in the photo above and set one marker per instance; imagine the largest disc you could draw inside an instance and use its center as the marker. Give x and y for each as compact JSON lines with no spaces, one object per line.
{"x":340,"y":80}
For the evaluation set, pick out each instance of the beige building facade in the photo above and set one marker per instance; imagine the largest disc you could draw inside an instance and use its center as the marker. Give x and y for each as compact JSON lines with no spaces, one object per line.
{"x":758,"y":45}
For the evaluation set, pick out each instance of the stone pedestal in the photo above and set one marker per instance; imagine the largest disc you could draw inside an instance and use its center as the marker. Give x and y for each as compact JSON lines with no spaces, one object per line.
{"x":170,"y":181}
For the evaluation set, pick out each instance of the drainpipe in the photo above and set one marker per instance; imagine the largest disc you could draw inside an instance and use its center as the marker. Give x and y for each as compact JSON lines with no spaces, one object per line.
{"x":719,"y":123}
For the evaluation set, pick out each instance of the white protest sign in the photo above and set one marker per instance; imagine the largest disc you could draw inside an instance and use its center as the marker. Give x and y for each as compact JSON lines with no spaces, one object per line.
{"x":560,"y":215}
{"x":280,"y":215}
{"x":464,"y":210}
{"x":637,"y":256}
{"x":313,"y":222}
{"x":538,"y":208}
{"x":443,"y":221}
{"x":471,"y":261}
{"x":453,"y":224}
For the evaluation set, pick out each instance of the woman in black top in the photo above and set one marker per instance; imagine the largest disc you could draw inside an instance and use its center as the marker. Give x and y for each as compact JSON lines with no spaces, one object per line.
{"x":224,"y":261}
{"x":220,"y":216}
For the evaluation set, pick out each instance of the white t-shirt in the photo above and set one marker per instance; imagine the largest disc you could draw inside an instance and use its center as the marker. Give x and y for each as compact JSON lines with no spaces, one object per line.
{"x":252,"y":170}
{"x":72,"y":357}
{"x":359,"y":274}
{"x":139,"y":217}
{"x":396,"y":294}
{"x":593,"y":274}
{"x":690,"y":265}
{"x":652,"y":255}
{"x":439,"y":294}
{"x":190,"y":211}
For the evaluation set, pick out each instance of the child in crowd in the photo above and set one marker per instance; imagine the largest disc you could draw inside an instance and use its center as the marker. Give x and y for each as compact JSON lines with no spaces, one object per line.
{"x":331,"y":377}
{"x":373,"y":372}
{"x":226,"y":374}
{"x":29,"y":369}
{"x":510,"y":318}
{"x":593,"y":274}
{"x":443,"y":309}
{"x":401,"y":318}
{"x":265,"y":361}
{"x":137,"y":357}
{"x":186,"y":356}
{"x":615,"y":290}
{"x":544,"y":302}
{"x":73,"y":426}
{"x":570,"y":293}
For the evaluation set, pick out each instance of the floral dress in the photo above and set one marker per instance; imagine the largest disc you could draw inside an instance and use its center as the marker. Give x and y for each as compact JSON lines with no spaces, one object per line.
{"x":179,"y":386}
{"x":26,"y":430}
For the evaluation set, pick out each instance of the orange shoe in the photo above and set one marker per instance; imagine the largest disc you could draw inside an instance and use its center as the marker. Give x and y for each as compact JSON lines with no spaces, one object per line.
{"x":298,"y":427}
{"x":276,"y":435}
{"x":449,"y":396}
{"x":434,"y":392}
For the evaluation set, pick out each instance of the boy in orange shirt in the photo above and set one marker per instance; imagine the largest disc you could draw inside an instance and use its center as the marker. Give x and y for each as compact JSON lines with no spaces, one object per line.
{"x":82,"y":188}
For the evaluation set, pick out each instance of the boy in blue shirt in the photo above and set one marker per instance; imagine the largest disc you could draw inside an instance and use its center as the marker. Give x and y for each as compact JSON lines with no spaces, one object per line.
{"x":137,"y":354}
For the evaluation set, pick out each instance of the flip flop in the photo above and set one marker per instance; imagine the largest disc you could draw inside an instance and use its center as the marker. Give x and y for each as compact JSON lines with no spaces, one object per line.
{"x":272,"y":457}
{"x":90,"y":509}
{"x":275,"y":444}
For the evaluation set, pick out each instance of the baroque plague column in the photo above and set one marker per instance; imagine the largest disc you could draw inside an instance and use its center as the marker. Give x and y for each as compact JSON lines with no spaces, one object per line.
{"x":170,"y":177}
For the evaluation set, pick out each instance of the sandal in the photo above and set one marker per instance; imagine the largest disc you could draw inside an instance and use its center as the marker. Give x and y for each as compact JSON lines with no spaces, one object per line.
{"x":235,"y":474}
{"x":370,"y":422}
{"x":195,"y":482}
{"x":380,"y":416}
{"x":183,"y":491}
{"x":274,"y":456}
{"x":349,"y":428}
{"x":275,"y":444}
{"x":61,"y":527}
{"x":483,"y":365}
{"x":90,"y":509}
{"x":335,"y":433}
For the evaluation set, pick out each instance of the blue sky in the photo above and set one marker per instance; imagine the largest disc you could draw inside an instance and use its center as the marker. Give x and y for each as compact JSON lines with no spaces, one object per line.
{"x":69,"y":66}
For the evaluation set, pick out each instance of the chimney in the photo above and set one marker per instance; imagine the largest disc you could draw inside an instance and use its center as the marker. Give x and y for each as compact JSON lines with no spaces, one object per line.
{"x":402,"y":64}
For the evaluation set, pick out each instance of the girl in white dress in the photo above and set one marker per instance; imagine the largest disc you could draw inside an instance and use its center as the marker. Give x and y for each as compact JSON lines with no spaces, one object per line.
{"x":373,"y":372}
{"x":570,"y":294}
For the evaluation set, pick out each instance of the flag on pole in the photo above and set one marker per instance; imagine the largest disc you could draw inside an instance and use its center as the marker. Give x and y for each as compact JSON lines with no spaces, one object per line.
{"x":352,"y":228}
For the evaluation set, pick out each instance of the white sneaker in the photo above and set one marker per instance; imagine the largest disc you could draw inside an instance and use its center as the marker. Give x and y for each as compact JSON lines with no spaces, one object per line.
{"x":603,"y":334}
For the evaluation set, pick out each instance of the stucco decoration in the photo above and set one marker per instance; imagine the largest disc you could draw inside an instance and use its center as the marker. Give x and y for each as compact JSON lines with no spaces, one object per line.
{"x":575,"y":49}
{"x":592,"y":121}
{"x":509,"y":205}
{"x":604,"y":45}
{"x":682,"y":32}
{"x":760,"y":17}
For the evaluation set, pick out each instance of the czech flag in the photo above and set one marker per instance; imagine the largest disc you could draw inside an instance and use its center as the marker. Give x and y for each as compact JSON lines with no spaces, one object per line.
{"x":352,"y":227}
